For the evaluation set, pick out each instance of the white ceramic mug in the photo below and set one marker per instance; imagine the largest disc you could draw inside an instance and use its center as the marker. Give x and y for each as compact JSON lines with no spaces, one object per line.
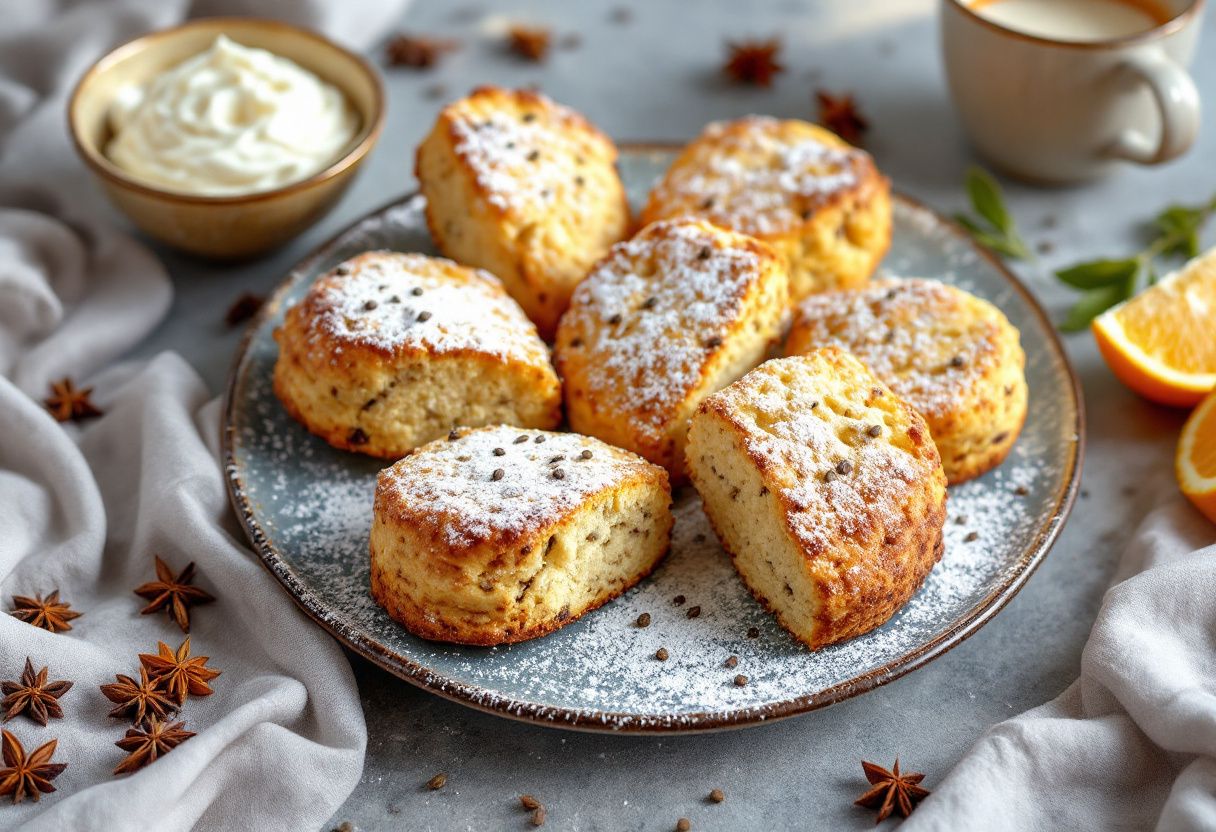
{"x":1059,"y":111}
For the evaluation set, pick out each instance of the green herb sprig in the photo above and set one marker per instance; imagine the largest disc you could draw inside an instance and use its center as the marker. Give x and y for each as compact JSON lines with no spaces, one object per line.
{"x":993,"y":226}
{"x":1174,"y":233}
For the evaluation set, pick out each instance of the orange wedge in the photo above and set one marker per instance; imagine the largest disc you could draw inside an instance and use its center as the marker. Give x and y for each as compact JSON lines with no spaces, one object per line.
{"x":1195,"y":465}
{"x":1162,"y":343}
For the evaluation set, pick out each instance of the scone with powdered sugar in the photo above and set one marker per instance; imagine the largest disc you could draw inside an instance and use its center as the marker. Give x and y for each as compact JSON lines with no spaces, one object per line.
{"x":826,"y":490}
{"x":952,"y":356}
{"x":388,"y":351}
{"x":818,"y":201}
{"x":499,"y":535}
{"x":526,"y":188}
{"x":668,"y":317}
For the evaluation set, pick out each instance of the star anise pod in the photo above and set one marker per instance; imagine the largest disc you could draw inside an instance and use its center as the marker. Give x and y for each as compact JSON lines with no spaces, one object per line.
{"x":173,"y":595}
{"x":49,"y":613}
{"x":28,"y":775}
{"x":529,"y":42}
{"x":839,"y":114}
{"x":154,"y":738}
{"x":243,"y":308}
{"x":69,"y":403}
{"x":753,"y":61}
{"x":417,"y":51}
{"x":33,"y":695}
{"x":891,"y":790}
{"x":180,"y":673}
{"x":138,"y":700}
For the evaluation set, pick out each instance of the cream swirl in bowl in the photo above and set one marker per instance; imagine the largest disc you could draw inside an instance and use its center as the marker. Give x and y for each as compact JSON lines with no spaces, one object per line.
{"x":231,"y":120}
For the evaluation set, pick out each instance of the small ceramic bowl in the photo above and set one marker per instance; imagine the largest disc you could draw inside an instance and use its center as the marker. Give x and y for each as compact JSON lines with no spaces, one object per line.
{"x":231,"y":226}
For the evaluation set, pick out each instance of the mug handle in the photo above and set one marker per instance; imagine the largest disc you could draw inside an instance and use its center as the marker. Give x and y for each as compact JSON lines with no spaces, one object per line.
{"x":1177,"y":102}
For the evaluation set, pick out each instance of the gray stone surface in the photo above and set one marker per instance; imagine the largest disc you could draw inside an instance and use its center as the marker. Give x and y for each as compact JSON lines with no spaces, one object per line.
{"x":657,"y":77}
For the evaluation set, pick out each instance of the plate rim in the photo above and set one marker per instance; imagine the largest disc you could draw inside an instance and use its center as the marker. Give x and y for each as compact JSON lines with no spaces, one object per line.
{"x":489,"y":701}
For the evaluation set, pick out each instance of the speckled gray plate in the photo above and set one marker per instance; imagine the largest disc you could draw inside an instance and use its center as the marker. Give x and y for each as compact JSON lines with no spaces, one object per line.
{"x":307,"y":509}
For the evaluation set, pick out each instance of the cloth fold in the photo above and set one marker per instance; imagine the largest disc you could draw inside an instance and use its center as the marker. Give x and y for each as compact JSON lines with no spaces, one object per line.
{"x":83,"y":509}
{"x":1132,"y":743}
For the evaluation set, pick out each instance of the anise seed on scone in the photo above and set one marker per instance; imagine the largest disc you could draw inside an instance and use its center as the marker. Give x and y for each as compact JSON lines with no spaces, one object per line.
{"x":526,"y":188}
{"x":952,"y":356}
{"x":500,"y":535}
{"x":820,"y":202}
{"x":668,"y":317}
{"x":389,"y":350}
{"x":825,"y":488}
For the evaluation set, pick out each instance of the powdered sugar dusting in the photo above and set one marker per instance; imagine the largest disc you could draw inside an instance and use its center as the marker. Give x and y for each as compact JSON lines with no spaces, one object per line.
{"x":914,"y":334}
{"x":523,"y":162}
{"x":501,"y":482}
{"x":651,"y":314}
{"x":398,"y":302}
{"x":755,"y":177}
{"x":843,"y":483}
{"x":310,"y":507}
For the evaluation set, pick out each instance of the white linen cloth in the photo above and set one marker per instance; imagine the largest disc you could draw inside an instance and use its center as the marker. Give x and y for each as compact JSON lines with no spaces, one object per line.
{"x":83,"y":508}
{"x":1131,"y":745}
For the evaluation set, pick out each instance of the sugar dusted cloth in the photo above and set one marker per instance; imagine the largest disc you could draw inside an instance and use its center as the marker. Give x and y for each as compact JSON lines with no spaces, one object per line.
{"x":280,"y":744}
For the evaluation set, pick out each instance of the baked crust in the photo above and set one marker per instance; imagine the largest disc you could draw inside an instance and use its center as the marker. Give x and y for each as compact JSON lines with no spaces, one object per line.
{"x":668,"y":317}
{"x":825,"y":488}
{"x":462,"y":553}
{"x":390,"y":350}
{"x":952,"y":356}
{"x":526,"y":188}
{"x":818,"y":201}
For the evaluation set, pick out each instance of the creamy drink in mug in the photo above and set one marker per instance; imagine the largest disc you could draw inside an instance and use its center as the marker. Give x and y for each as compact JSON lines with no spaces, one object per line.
{"x":1064,"y":90}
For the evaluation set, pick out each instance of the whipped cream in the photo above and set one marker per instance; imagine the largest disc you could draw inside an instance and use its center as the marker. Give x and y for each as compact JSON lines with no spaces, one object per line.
{"x":231,"y":120}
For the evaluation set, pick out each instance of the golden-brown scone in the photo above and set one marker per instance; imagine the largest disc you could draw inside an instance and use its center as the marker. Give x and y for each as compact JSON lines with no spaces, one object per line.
{"x":388,"y":351}
{"x":501,"y":535}
{"x":818,"y":201}
{"x":526,"y":188}
{"x":679,"y":311}
{"x":825,"y":488}
{"x":952,"y":356}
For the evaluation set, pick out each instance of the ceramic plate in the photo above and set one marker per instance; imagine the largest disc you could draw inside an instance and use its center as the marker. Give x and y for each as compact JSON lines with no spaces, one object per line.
{"x":307,"y":509}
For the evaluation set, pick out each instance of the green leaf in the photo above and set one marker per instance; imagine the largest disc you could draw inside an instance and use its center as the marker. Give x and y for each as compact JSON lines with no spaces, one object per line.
{"x":1094,"y":274}
{"x":985,"y":195}
{"x":1179,"y":218}
{"x":1092,"y":304}
{"x":1150,"y":275}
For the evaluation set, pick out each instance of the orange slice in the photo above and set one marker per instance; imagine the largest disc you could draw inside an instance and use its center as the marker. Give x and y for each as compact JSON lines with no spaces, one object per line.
{"x":1162,"y":343}
{"x":1195,"y":465}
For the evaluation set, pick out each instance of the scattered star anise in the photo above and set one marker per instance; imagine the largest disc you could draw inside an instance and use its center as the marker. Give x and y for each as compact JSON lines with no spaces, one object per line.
{"x":243,"y":308}
{"x":891,"y":790}
{"x":173,"y":595}
{"x":28,"y":775}
{"x":138,"y":700}
{"x":153,"y":739}
{"x":179,"y":673}
{"x":417,"y":51}
{"x":49,"y":613}
{"x":753,"y":61}
{"x":839,"y":114}
{"x":33,"y":695}
{"x":529,"y":42}
{"x":69,"y":403}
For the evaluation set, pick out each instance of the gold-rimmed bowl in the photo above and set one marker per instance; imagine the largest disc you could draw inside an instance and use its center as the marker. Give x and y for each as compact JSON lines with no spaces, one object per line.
{"x":235,"y":226}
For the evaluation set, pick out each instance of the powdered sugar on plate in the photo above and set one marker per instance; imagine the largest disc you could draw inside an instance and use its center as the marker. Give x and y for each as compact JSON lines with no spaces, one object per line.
{"x":308,"y":508}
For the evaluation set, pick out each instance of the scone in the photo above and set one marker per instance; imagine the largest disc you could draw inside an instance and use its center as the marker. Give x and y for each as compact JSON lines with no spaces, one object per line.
{"x":498,"y":535}
{"x":825,"y":488}
{"x":952,"y":356}
{"x":820,"y":202}
{"x":390,"y":350}
{"x":679,"y":311}
{"x":526,"y":188}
